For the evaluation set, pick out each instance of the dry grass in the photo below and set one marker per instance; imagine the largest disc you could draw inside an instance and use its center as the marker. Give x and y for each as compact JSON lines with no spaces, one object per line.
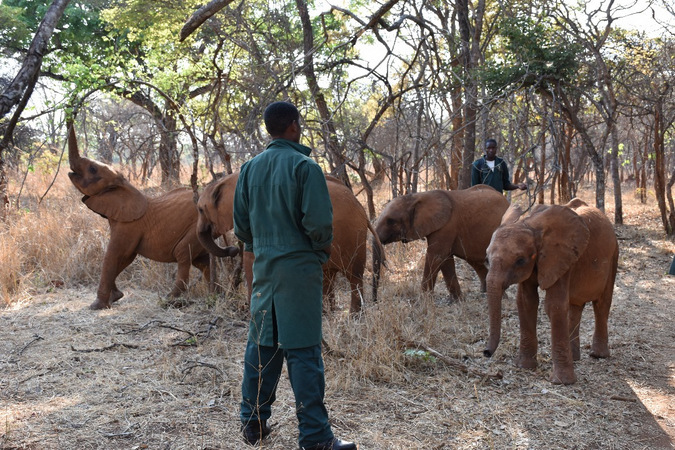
{"x":145,"y":375}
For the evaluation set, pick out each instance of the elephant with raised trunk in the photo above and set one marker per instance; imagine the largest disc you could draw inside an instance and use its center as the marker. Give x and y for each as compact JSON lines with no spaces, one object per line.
{"x":454,"y":223}
{"x":569,"y":251}
{"x":350,"y":229}
{"x":161,"y":229}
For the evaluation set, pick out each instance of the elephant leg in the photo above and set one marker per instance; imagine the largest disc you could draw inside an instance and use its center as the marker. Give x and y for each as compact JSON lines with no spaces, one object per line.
{"x":447,"y":268}
{"x":557,"y":308}
{"x":482,"y":272}
{"x":202,"y":263}
{"x":431,"y":269}
{"x":356,"y":287}
{"x":527,"y":300}
{"x":574,"y":320}
{"x":182,"y":278}
{"x":113,"y":265}
{"x":600,"y":346}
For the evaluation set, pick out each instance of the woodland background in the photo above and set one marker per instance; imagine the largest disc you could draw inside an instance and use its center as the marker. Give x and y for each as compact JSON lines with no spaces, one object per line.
{"x":398,"y":92}
{"x":396,"y":97}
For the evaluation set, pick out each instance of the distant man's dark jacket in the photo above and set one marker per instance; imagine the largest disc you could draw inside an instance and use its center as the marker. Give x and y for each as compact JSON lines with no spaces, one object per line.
{"x":497,"y":178}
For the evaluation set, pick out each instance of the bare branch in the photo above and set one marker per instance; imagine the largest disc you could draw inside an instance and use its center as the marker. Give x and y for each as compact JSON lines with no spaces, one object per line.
{"x":201,"y":15}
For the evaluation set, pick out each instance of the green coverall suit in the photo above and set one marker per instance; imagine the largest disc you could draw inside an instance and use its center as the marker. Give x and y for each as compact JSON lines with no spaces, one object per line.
{"x":283,"y":214}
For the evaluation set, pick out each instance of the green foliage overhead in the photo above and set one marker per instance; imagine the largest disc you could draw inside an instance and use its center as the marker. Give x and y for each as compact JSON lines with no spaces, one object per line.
{"x":533,"y":54}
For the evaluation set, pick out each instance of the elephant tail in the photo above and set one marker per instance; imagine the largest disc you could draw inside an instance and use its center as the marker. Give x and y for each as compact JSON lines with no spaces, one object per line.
{"x":379,"y":259}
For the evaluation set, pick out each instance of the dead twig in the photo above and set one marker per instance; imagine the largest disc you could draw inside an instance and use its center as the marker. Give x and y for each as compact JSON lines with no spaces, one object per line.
{"x":456,"y":364}
{"x":201,"y":364}
{"x":35,"y":339}
{"x":143,"y":327}
{"x":623,"y":399}
{"x":110,"y":347}
{"x":195,"y":338}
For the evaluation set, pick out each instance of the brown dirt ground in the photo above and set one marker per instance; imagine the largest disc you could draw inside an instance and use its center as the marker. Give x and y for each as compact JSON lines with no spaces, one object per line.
{"x":143,"y":375}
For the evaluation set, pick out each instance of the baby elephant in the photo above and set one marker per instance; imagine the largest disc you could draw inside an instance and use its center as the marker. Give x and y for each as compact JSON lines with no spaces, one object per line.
{"x":162,"y":229}
{"x":454,"y":223}
{"x":569,"y":251}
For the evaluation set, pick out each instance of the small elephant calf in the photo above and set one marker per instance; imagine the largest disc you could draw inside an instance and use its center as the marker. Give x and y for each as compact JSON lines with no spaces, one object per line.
{"x":572,"y":253}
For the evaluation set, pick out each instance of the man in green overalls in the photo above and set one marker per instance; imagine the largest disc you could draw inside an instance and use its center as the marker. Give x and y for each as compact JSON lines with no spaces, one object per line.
{"x":283,"y":214}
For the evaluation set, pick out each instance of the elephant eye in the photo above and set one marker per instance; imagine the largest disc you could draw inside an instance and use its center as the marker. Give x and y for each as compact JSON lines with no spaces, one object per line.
{"x":521,"y":261}
{"x":487,"y":262}
{"x":92,"y":169}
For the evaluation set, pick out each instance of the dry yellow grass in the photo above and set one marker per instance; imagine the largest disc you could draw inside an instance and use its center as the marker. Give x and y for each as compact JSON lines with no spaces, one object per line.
{"x":148,"y":375}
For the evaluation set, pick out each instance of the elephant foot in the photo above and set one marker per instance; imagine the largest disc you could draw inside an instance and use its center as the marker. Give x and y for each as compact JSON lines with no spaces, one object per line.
{"x":176,"y":292}
{"x":526,"y":362}
{"x":576,"y":354}
{"x":563,"y":377}
{"x":99,"y":304}
{"x":115,"y":295}
{"x":599,"y":352}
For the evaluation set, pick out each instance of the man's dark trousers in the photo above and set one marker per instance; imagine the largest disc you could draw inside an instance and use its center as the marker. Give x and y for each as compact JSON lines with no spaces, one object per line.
{"x":262,"y":369}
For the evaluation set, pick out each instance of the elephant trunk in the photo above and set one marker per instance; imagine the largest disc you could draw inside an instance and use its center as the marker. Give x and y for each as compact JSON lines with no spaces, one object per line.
{"x":206,"y":239}
{"x":73,"y":151}
{"x":494,"y":296}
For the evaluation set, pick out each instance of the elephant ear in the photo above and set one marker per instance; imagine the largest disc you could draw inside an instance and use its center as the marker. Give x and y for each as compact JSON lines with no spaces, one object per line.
{"x":576,"y":203}
{"x":511,"y":215}
{"x":430,"y":212}
{"x":120,"y":201}
{"x":562,"y":239}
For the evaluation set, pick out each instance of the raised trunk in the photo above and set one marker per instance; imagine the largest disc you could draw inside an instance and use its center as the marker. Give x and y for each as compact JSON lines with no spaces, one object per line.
{"x":494,"y":296}
{"x":206,"y":239}
{"x":73,"y":152}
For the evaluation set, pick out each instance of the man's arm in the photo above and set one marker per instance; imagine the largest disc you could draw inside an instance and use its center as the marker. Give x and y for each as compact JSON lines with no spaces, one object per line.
{"x":508,"y":186}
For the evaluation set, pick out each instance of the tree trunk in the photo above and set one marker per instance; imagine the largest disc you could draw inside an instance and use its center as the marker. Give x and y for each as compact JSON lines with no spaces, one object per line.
{"x":618,"y":206}
{"x":659,"y":169}
{"x":21,"y":87}
{"x":470,"y":38}
{"x":327,"y":125}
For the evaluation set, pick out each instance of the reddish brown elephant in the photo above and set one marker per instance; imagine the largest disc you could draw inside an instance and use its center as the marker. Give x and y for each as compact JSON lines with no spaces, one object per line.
{"x":454,"y":223}
{"x":162,"y":229}
{"x":350,"y":229}
{"x":569,"y":251}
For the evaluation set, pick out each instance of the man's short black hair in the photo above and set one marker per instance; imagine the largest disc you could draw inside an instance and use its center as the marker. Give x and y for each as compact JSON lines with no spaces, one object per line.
{"x":490,"y":141}
{"x":278,"y":116}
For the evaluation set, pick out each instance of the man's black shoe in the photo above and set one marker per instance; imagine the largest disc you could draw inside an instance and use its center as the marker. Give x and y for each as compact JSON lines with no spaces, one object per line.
{"x":255,"y":432}
{"x":333,"y":444}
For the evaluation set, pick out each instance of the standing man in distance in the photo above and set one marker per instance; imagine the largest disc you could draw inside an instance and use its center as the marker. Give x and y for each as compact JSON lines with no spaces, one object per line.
{"x":283,"y":214}
{"x":492,"y":170}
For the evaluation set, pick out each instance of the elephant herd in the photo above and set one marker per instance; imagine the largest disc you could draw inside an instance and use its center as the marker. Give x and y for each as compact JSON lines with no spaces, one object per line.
{"x":569,"y":251}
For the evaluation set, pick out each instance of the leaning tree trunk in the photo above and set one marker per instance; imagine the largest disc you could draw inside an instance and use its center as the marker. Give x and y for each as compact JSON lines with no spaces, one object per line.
{"x":21,"y":87}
